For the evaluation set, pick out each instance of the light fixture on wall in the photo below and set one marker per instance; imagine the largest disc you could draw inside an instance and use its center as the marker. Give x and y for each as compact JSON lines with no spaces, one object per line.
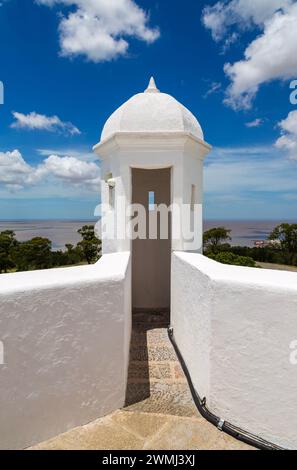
{"x":110,"y":180}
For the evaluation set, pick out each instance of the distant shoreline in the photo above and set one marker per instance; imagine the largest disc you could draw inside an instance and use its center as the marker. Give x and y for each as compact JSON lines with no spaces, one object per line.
{"x":96,"y":218}
{"x":244,"y":232}
{"x":46,"y":220}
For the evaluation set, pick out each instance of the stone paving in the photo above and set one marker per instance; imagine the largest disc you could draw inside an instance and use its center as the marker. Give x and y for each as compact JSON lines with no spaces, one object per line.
{"x":156,"y":382}
{"x":159,"y":411}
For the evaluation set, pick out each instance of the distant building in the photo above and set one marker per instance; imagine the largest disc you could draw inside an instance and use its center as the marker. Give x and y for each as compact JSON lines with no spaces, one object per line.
{"x":266,"y":243}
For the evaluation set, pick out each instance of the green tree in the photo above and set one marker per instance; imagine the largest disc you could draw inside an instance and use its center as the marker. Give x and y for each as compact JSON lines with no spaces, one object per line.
{"x":214,"y":238}
{"x":90,"y":246}
{"x":7,"y":243}
{"x":73,"y":254}
{"x":286,"y":235}
{"x":60,"y":258}
{"x":33,"y":254}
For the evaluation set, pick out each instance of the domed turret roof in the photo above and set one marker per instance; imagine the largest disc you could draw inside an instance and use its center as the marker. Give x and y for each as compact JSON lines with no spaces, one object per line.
{"x":152,"y":111}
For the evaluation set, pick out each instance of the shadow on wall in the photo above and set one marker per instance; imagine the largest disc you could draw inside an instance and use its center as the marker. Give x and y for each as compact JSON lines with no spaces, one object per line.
{"x":138,"y":384}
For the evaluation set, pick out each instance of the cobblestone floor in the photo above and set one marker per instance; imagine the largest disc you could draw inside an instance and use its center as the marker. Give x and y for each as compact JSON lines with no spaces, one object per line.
{"x":159,"y":411}
{"x":156,"y":382}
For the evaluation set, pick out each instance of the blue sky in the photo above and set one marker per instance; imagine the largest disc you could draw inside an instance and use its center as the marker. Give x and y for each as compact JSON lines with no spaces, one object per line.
{"x":66,"y":65}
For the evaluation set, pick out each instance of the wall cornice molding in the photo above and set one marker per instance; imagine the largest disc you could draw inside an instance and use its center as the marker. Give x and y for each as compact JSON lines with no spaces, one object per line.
{"x":150,"y":142}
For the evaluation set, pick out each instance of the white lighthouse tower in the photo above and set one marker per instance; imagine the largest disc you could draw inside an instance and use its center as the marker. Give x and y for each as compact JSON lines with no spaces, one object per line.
{"x":152,"y":150}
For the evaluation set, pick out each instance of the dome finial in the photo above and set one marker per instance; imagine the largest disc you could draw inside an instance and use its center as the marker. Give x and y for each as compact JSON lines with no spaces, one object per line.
{"x":152,"y":87}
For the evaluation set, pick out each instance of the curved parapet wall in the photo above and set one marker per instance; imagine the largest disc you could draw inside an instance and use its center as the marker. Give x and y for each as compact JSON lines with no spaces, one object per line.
{"x":234,"y":327}
{"x":65,"y":335}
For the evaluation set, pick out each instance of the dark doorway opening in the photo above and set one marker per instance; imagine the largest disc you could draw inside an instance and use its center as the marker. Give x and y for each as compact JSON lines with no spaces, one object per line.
{"x":151,"y":258}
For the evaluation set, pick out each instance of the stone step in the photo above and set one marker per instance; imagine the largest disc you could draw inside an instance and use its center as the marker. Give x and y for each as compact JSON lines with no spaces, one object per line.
{"x":126,"y":430}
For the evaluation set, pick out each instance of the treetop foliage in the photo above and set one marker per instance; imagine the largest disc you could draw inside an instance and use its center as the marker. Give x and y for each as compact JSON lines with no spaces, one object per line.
{"x":283,"y":252}
{"x":37,"y":253}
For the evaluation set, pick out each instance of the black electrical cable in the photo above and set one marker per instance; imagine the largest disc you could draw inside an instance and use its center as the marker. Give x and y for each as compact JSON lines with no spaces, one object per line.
{"x":224,"y":426}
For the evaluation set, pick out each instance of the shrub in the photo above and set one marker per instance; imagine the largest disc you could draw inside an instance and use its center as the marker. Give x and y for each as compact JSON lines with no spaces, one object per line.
{"x":230,"y":258}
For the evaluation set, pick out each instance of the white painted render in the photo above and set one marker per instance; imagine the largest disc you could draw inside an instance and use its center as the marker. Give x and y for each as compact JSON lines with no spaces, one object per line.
{"x":150,"y":131}
{"x":152,"y":111}
{"x":234,"y":326}
{"x":182,"y":153}
{"x":66,"y":335}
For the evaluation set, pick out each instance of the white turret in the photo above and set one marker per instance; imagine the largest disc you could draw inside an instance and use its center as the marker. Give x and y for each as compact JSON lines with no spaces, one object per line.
{"x":152,"y":147}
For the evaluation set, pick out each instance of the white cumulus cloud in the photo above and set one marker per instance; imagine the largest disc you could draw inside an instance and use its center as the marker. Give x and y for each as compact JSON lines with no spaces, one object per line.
{"x":35,"y":121}
{"x":16,"y":174}
{"x":240,"y":13}
{"x":288,"y":139}
{"x":270,"y":56}
{"x":99,"y":29}
{"x":70,"y":169}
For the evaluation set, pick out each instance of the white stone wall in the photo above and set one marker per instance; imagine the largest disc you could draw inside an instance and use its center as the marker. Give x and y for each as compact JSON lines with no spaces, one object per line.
{"x":234,"y":326}
{"x":66,"y":335}
{"x":190,"y":318}
{"x":181,"y":152}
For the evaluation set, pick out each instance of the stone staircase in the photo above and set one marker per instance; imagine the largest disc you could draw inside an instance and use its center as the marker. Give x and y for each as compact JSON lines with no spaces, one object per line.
{"x":159,"y":411}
